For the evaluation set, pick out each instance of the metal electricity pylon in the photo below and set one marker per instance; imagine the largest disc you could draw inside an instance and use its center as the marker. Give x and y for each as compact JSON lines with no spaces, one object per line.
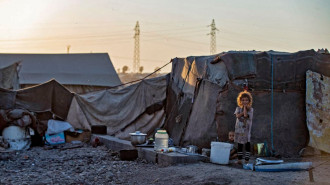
{"x":213,"y":43}
{"x":136,"y":61}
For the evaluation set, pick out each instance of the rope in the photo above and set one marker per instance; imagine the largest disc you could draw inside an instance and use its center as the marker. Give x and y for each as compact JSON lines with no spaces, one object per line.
{"x":272,"y":103}
{"x":141,"y":78}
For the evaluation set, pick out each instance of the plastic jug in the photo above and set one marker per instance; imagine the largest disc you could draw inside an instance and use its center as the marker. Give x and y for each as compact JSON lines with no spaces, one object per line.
{"x":161,"y":140}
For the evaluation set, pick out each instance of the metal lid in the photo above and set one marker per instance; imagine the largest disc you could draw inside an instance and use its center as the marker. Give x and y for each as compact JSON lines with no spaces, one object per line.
{"x":137,"y":133}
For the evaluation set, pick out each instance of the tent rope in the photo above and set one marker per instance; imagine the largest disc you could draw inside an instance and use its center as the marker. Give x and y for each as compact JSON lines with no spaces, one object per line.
{"x":272,"y":103}
{"x":141,"y":78}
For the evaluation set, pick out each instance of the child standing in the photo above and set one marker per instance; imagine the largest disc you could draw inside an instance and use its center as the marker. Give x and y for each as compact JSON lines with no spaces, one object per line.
{"x":244,"y":115}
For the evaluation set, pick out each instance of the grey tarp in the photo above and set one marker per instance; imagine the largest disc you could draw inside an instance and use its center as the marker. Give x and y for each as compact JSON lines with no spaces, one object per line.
{"x":9,"y":77}
{"x":118,"y":109}
{"x":49,"y":96}
{"x":290,"y":131}
{"x":202,"y":124}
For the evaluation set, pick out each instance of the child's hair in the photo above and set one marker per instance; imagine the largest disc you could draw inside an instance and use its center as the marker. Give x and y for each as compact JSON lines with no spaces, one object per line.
{"x":231,"y":132}
{"x":244,"y":94}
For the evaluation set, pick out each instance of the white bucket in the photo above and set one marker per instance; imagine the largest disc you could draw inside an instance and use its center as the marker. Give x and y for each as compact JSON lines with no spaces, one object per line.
{"x":220,"y":152}
{"x":17,"y":137}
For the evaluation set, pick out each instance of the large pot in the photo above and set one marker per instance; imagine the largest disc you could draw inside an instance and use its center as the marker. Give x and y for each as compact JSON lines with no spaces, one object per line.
{"x":138,"y":138}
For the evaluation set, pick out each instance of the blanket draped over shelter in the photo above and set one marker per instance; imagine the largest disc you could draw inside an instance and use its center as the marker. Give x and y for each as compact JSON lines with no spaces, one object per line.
{"x":123,"y":109}
{"x":202,"y":97}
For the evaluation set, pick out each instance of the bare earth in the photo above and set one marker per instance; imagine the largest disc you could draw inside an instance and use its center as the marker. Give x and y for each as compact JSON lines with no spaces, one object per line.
{"x":88,"y":165}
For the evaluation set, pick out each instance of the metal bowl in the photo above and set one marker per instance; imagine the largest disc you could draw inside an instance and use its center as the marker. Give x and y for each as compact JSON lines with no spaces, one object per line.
{"x":138,"y":138}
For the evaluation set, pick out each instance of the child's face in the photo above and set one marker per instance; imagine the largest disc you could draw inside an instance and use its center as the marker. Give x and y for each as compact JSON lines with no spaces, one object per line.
{"x":245,"y":101}
{"x":231,"y":136}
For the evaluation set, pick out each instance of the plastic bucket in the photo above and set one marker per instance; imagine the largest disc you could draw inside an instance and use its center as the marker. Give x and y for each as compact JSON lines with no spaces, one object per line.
{"x":17,"y":137}
{"x":220,"y":152}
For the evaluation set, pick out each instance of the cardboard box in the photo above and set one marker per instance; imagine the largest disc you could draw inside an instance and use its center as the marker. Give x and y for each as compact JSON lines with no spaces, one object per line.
{"x":83,"y":136}
{"x":55,"y":139}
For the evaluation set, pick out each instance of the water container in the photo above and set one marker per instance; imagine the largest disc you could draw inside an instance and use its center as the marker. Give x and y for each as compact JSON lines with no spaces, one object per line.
{"x":161,"y":140}
{"x":220,"y":152}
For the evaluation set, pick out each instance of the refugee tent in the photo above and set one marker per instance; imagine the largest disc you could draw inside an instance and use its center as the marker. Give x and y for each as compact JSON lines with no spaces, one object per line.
{"x":137,"y":107}
{"x":45,"y":99}
{"x":9,"y":77}
{"x":79,"y":73}
{"x":201,"y":97}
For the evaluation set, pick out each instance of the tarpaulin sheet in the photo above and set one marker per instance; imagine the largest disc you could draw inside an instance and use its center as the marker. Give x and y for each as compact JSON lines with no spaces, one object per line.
{"x":317,"y":110}
{"x":49,"y":96}
{"x":185,"y":72}
{"x":117,"y":108}
{"x":201,"y":128}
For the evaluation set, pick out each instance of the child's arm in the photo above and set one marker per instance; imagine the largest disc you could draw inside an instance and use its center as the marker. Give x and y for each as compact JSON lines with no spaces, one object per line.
{"x":238,"y":115}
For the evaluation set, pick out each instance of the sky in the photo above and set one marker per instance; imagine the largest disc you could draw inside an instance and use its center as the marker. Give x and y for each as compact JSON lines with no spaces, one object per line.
{"x":168,"y":29}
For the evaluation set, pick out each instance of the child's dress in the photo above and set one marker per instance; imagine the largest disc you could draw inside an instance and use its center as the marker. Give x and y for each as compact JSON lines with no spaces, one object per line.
{"x":243,"y":126}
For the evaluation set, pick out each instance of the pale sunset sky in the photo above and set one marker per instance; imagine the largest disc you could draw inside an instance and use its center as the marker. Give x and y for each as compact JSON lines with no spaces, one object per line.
{"x":169,"y":28}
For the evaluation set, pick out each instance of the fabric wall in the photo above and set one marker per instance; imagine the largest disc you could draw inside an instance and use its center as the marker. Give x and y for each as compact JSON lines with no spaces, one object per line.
{"x":117,"y":108}
{"x":49,"y":96}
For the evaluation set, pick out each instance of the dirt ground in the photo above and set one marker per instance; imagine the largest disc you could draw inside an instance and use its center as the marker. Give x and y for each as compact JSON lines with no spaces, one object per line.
{"x":88,"y":165}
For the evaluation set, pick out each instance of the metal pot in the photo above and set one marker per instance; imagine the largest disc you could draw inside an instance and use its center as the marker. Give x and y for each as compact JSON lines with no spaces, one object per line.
{"x":138,"y":138}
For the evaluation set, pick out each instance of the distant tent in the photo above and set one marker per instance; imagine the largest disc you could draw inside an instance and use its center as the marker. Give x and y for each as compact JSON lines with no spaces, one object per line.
{"x":79,"y":73}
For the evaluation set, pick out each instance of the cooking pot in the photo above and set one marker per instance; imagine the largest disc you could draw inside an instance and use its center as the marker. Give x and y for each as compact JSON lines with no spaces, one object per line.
{"x":138,"y":138}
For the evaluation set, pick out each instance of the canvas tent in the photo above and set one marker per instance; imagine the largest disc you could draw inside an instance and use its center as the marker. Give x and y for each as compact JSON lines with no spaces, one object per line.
{"x":201,"y":97}
{"x":79,"y":73}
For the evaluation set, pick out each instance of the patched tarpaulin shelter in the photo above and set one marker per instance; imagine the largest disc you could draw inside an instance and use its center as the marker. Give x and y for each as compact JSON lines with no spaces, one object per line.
{"x":201,"y":97}
{"x":50,"y":97}
{"x":123,"y":110}
{"x":79,"y":73}
{"x":9,"y":77}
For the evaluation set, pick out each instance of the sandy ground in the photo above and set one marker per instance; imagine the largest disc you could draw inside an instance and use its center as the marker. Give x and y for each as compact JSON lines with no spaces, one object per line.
{"x":88,"y":165}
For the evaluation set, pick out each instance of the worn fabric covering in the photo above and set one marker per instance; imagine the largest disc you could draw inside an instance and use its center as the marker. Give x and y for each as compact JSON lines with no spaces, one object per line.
{"x":201,"y":128}
{"x":49,"y":96}
{"x":145,"y":123}
{"x":117,"y":108}
{"x":317,"y":110}
{"x":9,"y":77}
{"x":185,"y":72}
{"x":290,"y":130}
{"x":240,"y":64}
